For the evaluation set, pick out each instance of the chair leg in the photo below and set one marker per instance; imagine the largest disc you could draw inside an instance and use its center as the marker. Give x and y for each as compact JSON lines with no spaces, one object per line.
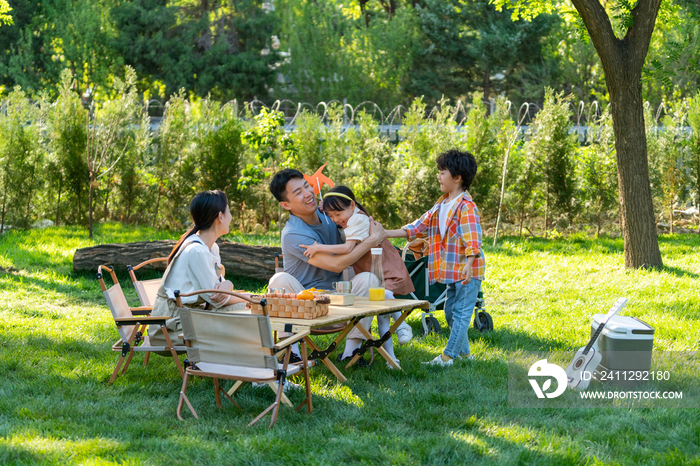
{"x":116,"y":370}
{"x":172,"y":350}
{"x":274,"y":406}
{"x":147,"y":358}
{"x":236,"y":386}
{"x":121,"y":358}
{"x":128,"y":361}
{"x":230,"y":399}
{"x":217,"y":395}
{"x":285,"y":400}
{"x":307,"y":384}
{"x":263,"y":413}
{"x":184,"y":398}
{"x":276,"y":409}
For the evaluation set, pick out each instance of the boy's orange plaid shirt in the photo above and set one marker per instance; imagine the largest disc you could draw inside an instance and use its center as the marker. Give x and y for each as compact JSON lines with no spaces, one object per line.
{"x":448,"y":255}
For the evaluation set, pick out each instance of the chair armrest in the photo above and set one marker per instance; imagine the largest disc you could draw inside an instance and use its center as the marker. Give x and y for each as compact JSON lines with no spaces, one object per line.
{"x":141,"y":310}
{"x":232,"y":293}
{"x":280,"y":327}
{"x":141,"y":320}
{"x":150,"y":261}
{"x":188,"y":343}
{"x":293,"y":339}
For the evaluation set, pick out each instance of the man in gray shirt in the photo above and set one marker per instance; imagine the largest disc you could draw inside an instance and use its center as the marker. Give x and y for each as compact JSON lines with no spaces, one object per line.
{"x":307,"y":225}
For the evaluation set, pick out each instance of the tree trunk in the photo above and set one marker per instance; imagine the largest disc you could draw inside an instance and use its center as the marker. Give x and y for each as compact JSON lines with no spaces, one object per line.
{"x":28,"y":212}
{"x":487,"y":90}
{"x":546,"y":209}
{"x":239,"y":259}
{"x":58,"y":202}
{"x":636,"y":205}
{"x":671,"y":217}
{"x":155,"y":214}
{"x":2,"y":221}
{"x":622,"y":61}
{"x":522,"y":219}
{"x":106,"y":209}
{"x":90,"y":209}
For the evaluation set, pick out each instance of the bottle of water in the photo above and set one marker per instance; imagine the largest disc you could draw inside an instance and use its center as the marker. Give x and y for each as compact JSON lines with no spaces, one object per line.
{"x":376,"y":286}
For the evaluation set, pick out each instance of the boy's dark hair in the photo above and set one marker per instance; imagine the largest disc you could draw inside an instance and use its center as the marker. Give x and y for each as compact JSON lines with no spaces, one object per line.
{"x":278,"y":185}
{"x":459,"y":164}
{"x":337,"y":203}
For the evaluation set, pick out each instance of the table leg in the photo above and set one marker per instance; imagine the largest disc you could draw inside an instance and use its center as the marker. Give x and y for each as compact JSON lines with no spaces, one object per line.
{"x":378,"y":343}
{"x":331,"y":367}
{"x":316,"y":353}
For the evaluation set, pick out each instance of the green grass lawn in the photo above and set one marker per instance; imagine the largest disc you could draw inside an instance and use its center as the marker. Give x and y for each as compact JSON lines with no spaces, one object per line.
{"x":55,"y":360}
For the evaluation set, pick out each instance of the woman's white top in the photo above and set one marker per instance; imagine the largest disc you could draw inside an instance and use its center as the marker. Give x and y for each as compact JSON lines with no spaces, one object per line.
{"x":195,"y":269}
{"x":358,"y":226}
{"x":444,"y":211}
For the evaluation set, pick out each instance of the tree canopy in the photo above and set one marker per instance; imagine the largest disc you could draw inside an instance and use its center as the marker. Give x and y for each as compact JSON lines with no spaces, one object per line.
{"x":5,"y":9}
{"x":388,"y":52}
{"x":621,"y":33}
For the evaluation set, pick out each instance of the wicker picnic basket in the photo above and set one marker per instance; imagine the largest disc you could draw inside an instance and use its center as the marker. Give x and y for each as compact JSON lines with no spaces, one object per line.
{"x":288,"y":306}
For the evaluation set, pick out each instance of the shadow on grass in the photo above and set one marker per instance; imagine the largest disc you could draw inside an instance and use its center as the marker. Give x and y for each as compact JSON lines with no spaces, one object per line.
{"x":501,"y":337}
{"x":16,"y":454}
{"x":576,"y":245}
{"x":679,"y":272}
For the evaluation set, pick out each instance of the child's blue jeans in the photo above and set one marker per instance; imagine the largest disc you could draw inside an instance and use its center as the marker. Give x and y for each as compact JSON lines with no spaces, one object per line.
{"x":459,"y":307}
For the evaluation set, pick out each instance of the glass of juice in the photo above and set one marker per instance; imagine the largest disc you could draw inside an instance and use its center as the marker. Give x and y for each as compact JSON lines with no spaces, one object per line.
{"x":376,"y":294}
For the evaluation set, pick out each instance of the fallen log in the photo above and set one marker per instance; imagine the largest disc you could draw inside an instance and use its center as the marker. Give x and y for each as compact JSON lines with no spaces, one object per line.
{"x":239,"y":259}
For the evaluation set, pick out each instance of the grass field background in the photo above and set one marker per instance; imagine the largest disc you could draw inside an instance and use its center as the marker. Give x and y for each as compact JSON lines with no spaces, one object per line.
{"x":56,"y":408}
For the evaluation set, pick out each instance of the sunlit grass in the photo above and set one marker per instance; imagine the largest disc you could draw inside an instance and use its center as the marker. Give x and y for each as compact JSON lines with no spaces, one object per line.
{"x":55,"y":360}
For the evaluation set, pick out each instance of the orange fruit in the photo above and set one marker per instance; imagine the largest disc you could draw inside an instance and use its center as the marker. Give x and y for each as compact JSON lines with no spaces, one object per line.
{"x":306,"y":294}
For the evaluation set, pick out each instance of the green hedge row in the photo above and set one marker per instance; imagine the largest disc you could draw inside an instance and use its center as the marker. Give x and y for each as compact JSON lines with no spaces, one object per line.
{"x":58,"y":159}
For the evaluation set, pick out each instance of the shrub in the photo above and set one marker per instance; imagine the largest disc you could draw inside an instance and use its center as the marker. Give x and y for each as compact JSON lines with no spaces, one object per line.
{"x":20,"y":157}
{"x":597,"y":170}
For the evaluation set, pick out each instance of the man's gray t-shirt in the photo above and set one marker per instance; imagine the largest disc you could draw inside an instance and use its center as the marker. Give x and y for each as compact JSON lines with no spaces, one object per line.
{"x":297,"y":232}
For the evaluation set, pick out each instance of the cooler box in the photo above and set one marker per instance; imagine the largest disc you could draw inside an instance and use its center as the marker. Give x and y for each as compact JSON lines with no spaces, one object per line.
{"x":625,"y":343}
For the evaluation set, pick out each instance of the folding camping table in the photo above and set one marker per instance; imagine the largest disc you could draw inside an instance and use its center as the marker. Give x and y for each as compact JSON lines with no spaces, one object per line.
{"x":362,"y":308}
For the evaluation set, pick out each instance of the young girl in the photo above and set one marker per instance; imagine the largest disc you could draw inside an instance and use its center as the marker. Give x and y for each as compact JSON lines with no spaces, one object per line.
{"x":340,"y":206}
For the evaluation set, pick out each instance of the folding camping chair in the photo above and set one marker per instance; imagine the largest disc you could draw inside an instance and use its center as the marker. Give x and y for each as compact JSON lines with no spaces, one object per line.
{"x":146,"y":290}
{"x":436,"y":293}
{"x":131,"y":323}
{"x":238,"y":347}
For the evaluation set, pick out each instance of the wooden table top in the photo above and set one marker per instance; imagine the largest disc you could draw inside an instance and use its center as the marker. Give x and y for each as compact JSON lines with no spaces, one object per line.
{"x":362,"y":307}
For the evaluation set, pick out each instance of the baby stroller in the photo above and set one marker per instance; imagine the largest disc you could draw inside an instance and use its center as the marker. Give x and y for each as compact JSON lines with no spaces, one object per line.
{"x":414,"y":255}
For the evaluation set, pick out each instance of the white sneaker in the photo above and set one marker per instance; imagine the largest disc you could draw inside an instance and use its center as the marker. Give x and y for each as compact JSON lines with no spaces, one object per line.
{"x":466,"y":357}
{"x":290,"y":386}
{"x":439,"y":362}
{"x":405,"y":333}
{"x":392,"y":367}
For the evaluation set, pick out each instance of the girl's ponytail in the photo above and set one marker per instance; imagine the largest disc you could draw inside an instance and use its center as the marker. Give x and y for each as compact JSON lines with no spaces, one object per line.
{"x":204,"y":209}
{"x":182,"y":239}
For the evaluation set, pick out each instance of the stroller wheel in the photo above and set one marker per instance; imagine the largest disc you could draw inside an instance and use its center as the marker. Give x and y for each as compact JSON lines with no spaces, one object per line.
{"x":431,"y":325}
{"x":483,"y":321}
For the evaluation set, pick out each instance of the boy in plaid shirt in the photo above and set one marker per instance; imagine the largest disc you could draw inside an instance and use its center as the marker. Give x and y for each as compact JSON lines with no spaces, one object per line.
{"x":453,"y":232}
